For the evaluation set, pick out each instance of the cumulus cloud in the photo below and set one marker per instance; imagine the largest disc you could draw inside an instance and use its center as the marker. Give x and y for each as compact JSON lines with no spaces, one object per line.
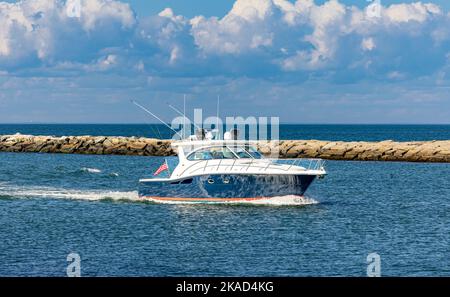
{"x":41,"y":31}
{"x":246,"y":27}
{"x":419,"y":12}
{"x":255,"y":38}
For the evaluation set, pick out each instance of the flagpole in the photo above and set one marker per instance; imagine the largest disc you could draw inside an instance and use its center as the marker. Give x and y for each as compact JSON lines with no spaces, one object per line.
{"x":168,"y":169}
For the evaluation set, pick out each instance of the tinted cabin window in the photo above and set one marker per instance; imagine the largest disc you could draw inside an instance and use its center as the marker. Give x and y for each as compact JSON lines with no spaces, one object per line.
{"x":241,"y":153}
{"x":212,"y":153}
{"x":254,"y":152}
{"x":200,"y":155}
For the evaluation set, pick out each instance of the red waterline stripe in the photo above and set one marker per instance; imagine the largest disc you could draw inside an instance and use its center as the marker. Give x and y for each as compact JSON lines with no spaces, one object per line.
{"x":203,"y":199}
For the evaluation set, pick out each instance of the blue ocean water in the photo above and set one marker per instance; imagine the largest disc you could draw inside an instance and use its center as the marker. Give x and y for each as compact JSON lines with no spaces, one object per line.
{"x":286,"y":131}
{"x":52,"y":205}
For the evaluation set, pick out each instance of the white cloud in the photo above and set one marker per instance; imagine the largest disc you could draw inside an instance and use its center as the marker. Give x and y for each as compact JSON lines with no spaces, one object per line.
{"x":313,"y":34}
{"x":42,"y":29}
{"x":256,"y":37}
{"x":368,"y":44}
{"x":395,"y":75}
{"x":251,"y":10}
{"x":418,"y":12}
{"x":168,"y":13}
{"x":107,"y":62}
{"x":94,"y":12}
{"x":246,"y":27}
{"x":174,"y":55}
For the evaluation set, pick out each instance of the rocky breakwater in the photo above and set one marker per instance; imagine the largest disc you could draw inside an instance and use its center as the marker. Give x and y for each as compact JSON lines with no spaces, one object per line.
{"x":420,"y":151}
{"x":417,"y":151}
{"x":95,"y":145}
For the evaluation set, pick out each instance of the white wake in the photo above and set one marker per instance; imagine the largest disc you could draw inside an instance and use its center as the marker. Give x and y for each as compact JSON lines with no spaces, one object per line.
{"x":289,"y":200}
{"x":49,"y":192}
{"x":14,"y":191}
{"x":91,"y":170}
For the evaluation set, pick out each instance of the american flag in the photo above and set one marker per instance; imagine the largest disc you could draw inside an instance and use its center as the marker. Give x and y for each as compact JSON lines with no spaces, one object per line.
{"x":161,"y":169}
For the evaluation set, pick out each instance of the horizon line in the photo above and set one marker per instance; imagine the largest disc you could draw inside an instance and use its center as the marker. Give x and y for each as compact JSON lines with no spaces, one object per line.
{"x":157,"y":123}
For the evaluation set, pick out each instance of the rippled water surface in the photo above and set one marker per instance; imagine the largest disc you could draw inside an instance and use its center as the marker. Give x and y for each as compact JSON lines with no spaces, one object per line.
{"x":51,"y":205}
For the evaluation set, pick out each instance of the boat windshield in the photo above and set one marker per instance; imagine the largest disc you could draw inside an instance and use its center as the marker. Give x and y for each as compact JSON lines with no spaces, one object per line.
{"x":253,"y":152}
{"x":209,"y":153}
{"x":225,"y":152}
{"x":241,"y":152}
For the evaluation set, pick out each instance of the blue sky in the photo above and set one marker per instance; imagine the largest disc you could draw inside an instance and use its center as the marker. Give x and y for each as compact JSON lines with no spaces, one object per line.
{"x":219,"y":8}
{"x":304,"y":61}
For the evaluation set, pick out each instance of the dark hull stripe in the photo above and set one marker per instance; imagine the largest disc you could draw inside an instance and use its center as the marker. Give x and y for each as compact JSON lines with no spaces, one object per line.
{"x":228,"y":186}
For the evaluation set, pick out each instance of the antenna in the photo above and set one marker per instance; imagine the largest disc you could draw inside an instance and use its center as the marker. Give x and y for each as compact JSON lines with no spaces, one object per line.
{"x":217,"y":125}
{"x":184,"y":116}
{"x":181,"y":114}
{"x":155,"y":116}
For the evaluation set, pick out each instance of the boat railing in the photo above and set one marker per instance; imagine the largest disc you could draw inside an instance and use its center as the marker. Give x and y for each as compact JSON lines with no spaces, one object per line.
{"x":258,"y":165}
{"x":308,"y":164}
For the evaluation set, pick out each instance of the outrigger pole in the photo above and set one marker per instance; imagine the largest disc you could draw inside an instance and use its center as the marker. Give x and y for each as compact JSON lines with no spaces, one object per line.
{"x":156,"y":117}
{"x":183,"y":115}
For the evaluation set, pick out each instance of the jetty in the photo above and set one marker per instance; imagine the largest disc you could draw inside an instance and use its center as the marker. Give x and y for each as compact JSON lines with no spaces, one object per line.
{"x":388,"y":150}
